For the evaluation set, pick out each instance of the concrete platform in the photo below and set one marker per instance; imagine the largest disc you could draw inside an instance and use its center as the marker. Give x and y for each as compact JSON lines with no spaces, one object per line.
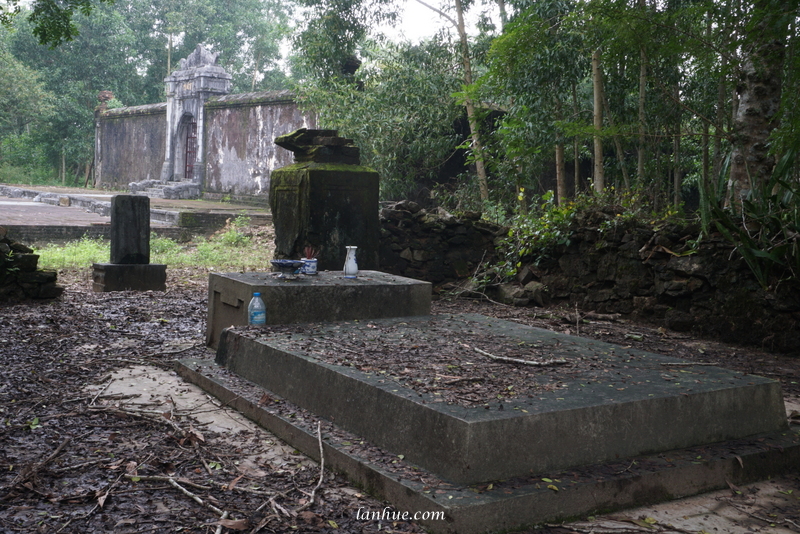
{"x":633,"y":410}
{"x":536,"y":498}
{"x":308,"y":299}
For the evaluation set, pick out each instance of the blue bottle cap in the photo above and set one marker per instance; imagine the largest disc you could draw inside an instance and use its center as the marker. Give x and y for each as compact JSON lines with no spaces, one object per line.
{"x":256,"y":294}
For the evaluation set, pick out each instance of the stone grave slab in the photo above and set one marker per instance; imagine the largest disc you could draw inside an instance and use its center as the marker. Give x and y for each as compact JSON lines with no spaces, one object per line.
{"x":325,"y":296}
{"x":130,"y":268}
{"x":539,"y":497}
{"x":130,"y":229}
{"x":616,"y":402}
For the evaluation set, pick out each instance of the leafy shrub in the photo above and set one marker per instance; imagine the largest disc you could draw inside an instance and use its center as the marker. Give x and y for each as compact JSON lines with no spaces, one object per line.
{"x":538,"y":236}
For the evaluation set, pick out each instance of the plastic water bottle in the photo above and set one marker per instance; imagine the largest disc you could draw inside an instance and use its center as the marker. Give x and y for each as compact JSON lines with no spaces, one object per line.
{"x":256,"y":311}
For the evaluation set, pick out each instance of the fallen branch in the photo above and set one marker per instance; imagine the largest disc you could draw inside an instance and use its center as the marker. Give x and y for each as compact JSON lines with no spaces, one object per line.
{"x":321,"y":471}
{"x":100,"y":392}
{"x":25,"y":475}
{"x":588,"y":316}
{"x":172,"y":482}
{"x":167,"y":479}
{"x":688,"y":364}
{"x":219,"y":527}
{"x":517,"y":360}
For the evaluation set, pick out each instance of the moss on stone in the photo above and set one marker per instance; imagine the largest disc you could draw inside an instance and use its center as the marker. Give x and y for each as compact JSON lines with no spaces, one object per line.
{"x":308,"y":166}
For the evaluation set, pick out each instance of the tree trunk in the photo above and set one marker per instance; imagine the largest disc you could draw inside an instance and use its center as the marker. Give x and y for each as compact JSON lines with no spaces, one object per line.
{"x":677,"y":175}
{"x":474,"y":127}
{"x":759,"y":91}
{"x":719,"y":128}
{"x":597,"y":83}
{"x":640,"y":156}
{"x":576,"y":146}
{"x":705,"y":173}
{"x":561,"y":182}
{"x":501,"y":6}
{"x":618,"y":148}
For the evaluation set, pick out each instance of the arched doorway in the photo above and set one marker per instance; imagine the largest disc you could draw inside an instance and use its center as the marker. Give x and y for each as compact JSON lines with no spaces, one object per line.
{"x":185,"y":149}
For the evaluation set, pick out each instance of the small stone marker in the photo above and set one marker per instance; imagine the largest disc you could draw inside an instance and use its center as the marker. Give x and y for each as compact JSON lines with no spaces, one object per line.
{"x":130,"y":268}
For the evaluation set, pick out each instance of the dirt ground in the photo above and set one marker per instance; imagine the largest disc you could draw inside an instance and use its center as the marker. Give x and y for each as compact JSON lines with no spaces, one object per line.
{"x":79,"y":454}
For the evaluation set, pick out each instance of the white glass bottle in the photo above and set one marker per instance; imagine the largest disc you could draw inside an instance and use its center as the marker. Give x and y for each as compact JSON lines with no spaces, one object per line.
{"x":350,"y":264}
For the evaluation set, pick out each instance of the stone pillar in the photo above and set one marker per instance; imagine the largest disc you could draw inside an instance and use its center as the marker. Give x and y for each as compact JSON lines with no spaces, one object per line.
{"x":326,"y":199}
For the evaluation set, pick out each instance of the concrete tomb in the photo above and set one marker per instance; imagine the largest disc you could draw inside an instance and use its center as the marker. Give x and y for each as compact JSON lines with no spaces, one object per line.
{"x":623,"y":427}
{"x":636,"y":404}
{"x":130,"y":268}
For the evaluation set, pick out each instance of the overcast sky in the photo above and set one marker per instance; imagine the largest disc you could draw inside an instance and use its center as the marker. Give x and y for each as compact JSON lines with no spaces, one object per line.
{"x":420,"y":22}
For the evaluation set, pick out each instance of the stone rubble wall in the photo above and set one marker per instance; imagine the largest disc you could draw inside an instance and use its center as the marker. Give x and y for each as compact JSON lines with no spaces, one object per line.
{"x":433,"y":245}
{"x":20,"y":277}
{"x":633,"y":271}
{"x":645,"y":274}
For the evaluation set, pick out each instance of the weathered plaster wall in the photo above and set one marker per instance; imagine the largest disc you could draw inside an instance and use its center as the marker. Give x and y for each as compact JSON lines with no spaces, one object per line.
{"x":129,"y":145}
{"x":240,"y":142}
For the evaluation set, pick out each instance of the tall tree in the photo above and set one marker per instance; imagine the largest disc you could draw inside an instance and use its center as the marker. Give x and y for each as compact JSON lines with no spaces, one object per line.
{"x":52,"y":19}
{"x":759,"y":89}
{"x":533,"y":68}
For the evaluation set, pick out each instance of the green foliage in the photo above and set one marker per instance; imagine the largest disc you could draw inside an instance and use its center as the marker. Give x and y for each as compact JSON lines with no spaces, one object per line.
{"x":23,"y":98}
{"x":81,"y":253}
{"x":234,"y":238}
{"x":538,"y":237}
{"x":28,"y":175}
{"x":535,"y":237}
{"x":767,"y":231}
{"x":401,"y":114}
{"x":52,"y":19}
{"x":332,"y":32}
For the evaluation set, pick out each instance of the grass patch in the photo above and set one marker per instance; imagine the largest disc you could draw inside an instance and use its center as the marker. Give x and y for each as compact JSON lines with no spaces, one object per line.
{"x":75,"y":254}
{"x":233,"y":249}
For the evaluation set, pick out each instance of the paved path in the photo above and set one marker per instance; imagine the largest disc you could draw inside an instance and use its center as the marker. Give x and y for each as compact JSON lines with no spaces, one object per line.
{"x":17,"y":211}
{"x":26,"y":211}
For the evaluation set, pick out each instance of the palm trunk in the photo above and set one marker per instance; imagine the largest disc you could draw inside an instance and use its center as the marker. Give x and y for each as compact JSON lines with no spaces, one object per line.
{"x":676,"y":154}
{"x":759,"y":101}
{"x":618,"y":148}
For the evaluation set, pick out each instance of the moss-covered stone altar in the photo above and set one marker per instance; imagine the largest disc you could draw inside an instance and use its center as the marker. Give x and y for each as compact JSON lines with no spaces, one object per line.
{"x":325,"y":200}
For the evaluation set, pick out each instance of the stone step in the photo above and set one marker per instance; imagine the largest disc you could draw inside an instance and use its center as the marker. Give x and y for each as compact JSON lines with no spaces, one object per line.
{"x":154,"y":192}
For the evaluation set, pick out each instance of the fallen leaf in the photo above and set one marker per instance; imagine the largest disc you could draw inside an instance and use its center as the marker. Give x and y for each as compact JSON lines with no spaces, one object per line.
{"x":234,"y":524}
{"x":733,"y":488}
{"x":232,"y":483}
{"x":552,"y":487}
